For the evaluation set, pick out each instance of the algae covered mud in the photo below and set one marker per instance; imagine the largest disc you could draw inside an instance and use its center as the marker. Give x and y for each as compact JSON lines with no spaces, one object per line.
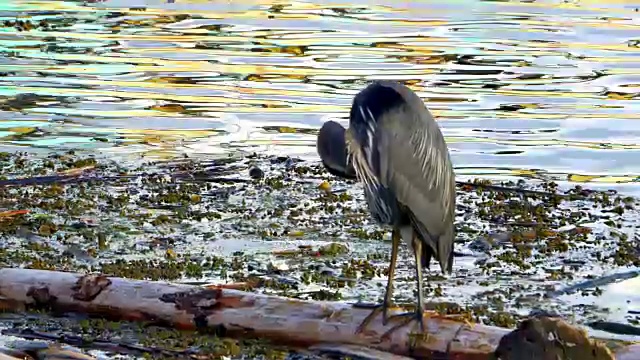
{"x":284,"y":226}
{"x":91,"y":92}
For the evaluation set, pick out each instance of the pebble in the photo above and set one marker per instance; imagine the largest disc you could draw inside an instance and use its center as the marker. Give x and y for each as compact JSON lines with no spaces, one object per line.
{"x":480,"y":244}
{"x":256,"y":173}
{"x":278,"y":266}
{"x":327,"y":271}
{"x":289,"y":164}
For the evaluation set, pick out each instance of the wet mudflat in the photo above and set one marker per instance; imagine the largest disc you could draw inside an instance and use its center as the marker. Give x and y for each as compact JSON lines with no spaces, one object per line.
{"x":165,"y":103}
{"x":291,"y":229}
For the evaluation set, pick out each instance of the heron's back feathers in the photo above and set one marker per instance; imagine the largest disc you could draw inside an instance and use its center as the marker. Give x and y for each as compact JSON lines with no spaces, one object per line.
{"x":399,"y":151}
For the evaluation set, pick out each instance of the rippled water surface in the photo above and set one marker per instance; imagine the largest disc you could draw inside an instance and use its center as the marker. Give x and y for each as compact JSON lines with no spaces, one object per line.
{"x":543,"y":89}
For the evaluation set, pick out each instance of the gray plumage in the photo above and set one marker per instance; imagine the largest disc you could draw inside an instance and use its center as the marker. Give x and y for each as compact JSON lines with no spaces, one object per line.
{"x":333,"y":150}
{"x":396,"y":149}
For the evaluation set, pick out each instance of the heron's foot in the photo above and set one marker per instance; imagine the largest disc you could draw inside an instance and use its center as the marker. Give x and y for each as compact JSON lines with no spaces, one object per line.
{"x":376,"y":309}
{"x":469,"y":323}
{"x":406,"y":318}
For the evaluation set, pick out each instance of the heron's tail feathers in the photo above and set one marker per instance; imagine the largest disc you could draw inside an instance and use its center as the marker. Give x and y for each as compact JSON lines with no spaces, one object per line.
{"x":427,"y":254}
{"x":440,"y":248}
{"x":445,"y":250}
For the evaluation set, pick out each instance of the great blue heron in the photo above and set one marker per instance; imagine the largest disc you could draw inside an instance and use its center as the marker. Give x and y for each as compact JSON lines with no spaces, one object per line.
{"x":395,"y":148}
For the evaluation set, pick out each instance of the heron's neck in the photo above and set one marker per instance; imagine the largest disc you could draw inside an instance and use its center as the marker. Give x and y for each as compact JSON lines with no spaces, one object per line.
{"x":349,"y":141}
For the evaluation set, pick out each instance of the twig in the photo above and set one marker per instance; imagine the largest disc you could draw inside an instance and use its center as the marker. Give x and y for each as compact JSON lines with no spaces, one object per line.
{"x":106,"y":345}
{"x":354,"y":352}
{"x":599,"y":282}
{"x":59,"y":179}
{"x":510,"y":189}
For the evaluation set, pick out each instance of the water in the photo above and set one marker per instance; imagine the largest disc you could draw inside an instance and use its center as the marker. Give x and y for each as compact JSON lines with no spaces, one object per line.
{"x":544,"y":89}
{"x":529,"y":89}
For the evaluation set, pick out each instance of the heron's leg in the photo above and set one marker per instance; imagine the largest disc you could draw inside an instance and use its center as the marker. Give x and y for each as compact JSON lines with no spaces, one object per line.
{"x":418,"y":314}
{"x":386,"y":303}
{"x":417,"y":248}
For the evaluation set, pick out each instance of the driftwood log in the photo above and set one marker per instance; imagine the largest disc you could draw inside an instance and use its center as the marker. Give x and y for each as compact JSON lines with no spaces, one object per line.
{"x":290,"y":321}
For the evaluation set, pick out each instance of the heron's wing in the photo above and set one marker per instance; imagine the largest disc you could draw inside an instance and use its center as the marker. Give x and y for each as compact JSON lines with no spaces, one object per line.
{"x":414,"y":162}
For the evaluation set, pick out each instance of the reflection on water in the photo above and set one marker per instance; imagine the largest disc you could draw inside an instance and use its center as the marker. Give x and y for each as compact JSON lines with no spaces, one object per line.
{"x":543,"y":89}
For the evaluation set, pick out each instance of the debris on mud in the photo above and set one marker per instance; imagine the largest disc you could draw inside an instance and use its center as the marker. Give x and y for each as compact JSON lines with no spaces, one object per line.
{"x":287,"y":227}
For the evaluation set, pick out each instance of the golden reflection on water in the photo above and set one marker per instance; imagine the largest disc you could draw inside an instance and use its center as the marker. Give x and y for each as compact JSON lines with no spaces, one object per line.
{"x":546,"y":89}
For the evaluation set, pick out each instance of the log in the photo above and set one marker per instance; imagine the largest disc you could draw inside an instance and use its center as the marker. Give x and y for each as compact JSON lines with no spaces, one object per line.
{"x":235,"y":313}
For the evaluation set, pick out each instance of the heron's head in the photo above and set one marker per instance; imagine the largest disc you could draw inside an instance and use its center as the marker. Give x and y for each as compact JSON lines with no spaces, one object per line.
{"x":333,"y":150}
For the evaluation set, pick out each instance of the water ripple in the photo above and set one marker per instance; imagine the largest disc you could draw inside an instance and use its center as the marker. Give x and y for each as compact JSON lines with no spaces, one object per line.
{"x":542,"y":90}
